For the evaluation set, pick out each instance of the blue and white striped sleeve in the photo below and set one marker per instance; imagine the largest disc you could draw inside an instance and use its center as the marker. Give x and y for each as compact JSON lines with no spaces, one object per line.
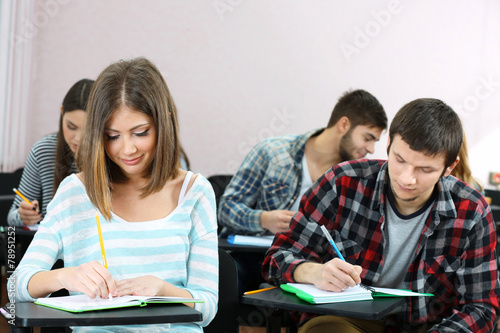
{"x":203,"y":258}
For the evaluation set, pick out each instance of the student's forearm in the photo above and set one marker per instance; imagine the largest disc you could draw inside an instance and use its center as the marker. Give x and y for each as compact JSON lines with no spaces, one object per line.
{"x":306,"y":272}
{"x":43,"y":283}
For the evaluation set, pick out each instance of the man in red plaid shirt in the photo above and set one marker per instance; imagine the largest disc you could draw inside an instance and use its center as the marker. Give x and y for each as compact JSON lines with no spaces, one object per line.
{"x":401,"y":223}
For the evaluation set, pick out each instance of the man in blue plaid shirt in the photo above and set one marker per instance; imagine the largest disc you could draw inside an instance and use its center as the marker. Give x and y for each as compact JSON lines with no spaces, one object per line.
{"x":402,"y":223}
{"x":265,"y":192}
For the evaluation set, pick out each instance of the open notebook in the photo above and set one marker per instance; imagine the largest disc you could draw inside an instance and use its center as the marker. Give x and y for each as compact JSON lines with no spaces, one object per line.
{"x":81,"y":303}
{"x":312,"y":294}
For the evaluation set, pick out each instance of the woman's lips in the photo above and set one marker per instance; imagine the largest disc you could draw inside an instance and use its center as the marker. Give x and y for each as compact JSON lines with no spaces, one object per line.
{"x":133,"y":161}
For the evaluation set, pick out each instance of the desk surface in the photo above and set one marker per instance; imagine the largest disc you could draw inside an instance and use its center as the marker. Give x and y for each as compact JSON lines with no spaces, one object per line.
{"x":223,"y":244}
{"x":278,"y":299}
{"x":32,"y":315}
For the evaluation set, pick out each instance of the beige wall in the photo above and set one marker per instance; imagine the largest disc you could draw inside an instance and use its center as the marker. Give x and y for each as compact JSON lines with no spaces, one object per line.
{"x":243,"y":70}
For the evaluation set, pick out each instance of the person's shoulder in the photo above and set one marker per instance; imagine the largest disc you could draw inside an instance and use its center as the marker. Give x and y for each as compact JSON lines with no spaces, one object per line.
{"x":201,"y":189}
{"x":71,"y":184}
{"x":200,"y":182}
{"x":461,"y":191}
{"x":46,"y":144}
{"x":277,"y":142}
{"x":364,"y":168}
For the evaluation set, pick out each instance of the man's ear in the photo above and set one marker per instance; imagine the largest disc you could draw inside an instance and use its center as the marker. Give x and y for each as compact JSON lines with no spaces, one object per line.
{"x":343,"y":125}
{"x":451,"y":167}
{"x":388,"y":144}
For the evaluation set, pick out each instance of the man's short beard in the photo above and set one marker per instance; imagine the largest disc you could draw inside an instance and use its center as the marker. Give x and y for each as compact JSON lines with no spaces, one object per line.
{"x":346,"y":147}
{"x":399,"y":198}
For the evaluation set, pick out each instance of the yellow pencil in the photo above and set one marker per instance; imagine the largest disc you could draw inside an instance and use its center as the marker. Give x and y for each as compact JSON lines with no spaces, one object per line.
{"x":257,"y":291}
{"x":21,"y":195}
{"x":104,"y":261}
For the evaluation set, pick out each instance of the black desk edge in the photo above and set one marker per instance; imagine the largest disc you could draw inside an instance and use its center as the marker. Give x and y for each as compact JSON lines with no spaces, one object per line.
{"x":376,"y":309}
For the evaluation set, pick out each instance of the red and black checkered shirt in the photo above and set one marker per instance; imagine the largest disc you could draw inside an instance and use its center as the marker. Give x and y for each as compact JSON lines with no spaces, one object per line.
{"x":455,"y":257}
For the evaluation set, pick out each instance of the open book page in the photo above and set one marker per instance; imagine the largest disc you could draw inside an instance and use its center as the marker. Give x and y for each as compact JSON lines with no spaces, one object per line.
{"x":312,"y":294}
{"x":79,"y":303}
{"x":379,"y":292}
{"x":33,"y":227}
{"x":250,"y":240}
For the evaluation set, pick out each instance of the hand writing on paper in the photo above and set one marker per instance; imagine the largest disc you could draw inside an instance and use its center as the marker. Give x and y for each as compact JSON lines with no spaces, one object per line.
{"x":337,"y":275}
{"x":276,"y":220}
{"x":91,"y":278}
{"x":29,"y":214}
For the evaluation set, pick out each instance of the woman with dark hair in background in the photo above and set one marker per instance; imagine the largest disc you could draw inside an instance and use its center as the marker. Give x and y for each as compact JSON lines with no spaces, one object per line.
{"x":51,"y":159}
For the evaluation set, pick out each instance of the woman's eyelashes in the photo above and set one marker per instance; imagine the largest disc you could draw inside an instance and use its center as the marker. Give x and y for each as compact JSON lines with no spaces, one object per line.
{"x":143,"y":133}
{"x":71,"y":126}
{"x":114,"y":137}
{"x":111,"y":137}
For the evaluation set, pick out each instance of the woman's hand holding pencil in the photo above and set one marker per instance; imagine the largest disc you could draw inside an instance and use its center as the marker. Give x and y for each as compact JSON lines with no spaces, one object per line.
{"x":91,"y":279}
{"x":29,"y":211}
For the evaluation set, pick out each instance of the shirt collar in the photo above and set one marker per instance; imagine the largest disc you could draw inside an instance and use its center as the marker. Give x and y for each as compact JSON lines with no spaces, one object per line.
{"x":299,"y":146}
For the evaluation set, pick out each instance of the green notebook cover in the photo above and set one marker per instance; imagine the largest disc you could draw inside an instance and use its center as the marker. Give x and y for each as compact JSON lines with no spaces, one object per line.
{"x":82,"y":303}
{"x":314,"y":295}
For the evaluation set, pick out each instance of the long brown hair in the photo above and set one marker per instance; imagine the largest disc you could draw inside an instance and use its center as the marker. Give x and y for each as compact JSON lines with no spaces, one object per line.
{"x":76,"y":99}
{"x":139,"y":85}
{"x":462,"y":170}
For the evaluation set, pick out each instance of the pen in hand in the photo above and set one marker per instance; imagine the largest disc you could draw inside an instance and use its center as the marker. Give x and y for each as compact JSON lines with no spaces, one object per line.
{"x":16,"y":191}
{"x":330,"y":240}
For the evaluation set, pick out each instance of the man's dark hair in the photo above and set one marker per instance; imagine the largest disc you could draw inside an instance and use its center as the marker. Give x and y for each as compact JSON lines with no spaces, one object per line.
{"x":430,"y":126}
{"x":361,"y":107}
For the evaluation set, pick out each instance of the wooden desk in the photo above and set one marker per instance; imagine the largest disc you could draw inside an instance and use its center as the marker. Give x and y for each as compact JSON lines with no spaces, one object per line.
{"x":29,"y":315}
{"x":278,"y":300}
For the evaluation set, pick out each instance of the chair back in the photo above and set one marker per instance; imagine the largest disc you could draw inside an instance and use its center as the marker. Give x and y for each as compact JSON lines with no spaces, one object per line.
{"x":225,"y":319}
{"x":495,"y":204}
{"x":8,"y":180}
{"x":219,"y":183}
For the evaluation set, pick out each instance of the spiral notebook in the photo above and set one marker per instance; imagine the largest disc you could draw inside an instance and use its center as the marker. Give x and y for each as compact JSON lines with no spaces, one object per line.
{"x":81,"y":303}
{"x":314,"y":295}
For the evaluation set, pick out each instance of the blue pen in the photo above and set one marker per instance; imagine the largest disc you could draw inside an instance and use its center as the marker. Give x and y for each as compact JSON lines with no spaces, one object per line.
{"x":330,"y":239}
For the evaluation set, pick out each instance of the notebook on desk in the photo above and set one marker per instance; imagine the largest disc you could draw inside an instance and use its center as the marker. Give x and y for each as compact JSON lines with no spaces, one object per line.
{"x":81,"y":303}
{"x":314,"y":295}
{"x":250,"y":240}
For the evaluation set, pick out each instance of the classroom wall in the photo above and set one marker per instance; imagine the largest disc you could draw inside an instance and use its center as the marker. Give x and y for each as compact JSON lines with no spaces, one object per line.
{"x":241,"y":70}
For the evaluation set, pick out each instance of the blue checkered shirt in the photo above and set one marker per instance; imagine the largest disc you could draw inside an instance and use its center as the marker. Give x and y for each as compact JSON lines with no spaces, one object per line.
{"x":269,"y":178}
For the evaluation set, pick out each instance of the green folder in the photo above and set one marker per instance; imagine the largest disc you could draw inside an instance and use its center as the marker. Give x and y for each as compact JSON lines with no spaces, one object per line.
{"x":82,"y":303}
{"x":314,"y":295}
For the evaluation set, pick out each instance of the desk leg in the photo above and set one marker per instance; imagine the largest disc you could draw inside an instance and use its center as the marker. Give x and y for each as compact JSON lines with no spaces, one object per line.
{"x":17,"y":329}
{"x":274,"y":321}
